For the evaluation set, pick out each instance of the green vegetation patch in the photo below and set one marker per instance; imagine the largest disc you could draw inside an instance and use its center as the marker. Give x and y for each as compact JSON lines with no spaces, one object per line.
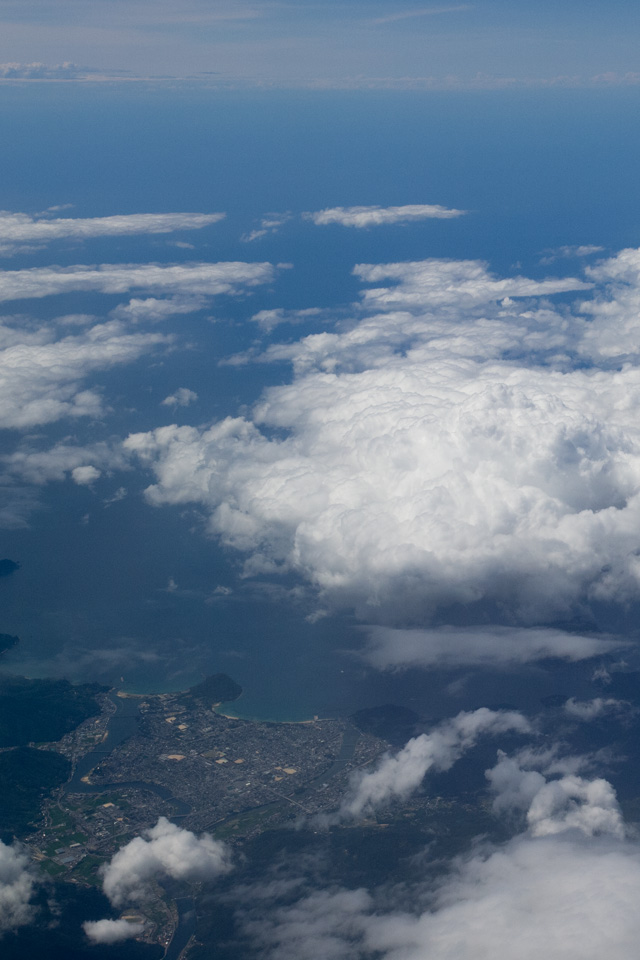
{"x":33,"y":711}
{"x":87,"y":870}
{"x":51,"y":868}
{"x":389,"y":722}
{"x":218,"y":688}
{"x":26,"y":777}
{"x":59,"y":818}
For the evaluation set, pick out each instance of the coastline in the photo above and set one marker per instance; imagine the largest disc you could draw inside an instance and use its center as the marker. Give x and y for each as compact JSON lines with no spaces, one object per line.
{"x":231,"y":716}
{"x":124,"y":695}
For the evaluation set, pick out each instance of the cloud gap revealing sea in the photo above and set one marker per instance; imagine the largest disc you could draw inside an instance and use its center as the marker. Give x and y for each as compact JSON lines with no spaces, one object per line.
{"x":115,"y":589}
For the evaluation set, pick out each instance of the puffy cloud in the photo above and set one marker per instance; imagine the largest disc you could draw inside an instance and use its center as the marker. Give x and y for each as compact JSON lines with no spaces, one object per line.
{"x":57,"y":462}
{"x":164,"y":850}
{"x":591,"y":709}
{"x":28,"y":466}
{"x":377,"y":216}
{"x":448,"y":646}
{"x":455,"y":444}
{"x":41,"y":376}
{"x":553,"y":806}
{"x":19,"y":228}
{"x":398,"y":775}
{"x":181,"y":398}
{"x":575,"y":803}
{"x":111,"y":931}
{"x":514,"y":787}
{"x":17,"y":882}
{"x":613,"y":335}
{"x":194,"y":279}
{"x":85,"y":476}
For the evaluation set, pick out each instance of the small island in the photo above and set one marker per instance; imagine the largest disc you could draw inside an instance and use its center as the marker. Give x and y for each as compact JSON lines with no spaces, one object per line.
{"x":7,"y":641}
{"x":7,"y":567}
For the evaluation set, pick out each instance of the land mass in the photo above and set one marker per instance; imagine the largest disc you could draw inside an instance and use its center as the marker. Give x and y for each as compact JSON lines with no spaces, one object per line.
{"x":218,"y":688}
{"x":7,"y":641}
{"x":35,"y":711}
{"x":7,"y":567}
{"x":26,"y":777}
{"x":243,"y":781}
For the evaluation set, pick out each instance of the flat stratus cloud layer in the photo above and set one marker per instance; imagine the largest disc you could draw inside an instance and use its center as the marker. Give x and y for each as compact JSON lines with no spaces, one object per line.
{"x":462,"y":441}
{"x":379,"y":44}
{"x":564,"y":897}
{"x":196,"y":279}
{"x":379,"y":216}
{"x":566,"y":886}
{"x":17,"y":229}
{"x":481,"y":646}
{"x":39,"y":71}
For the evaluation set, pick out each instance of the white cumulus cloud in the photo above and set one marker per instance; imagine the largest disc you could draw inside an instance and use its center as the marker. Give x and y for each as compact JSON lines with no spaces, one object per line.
{"x":181,"y":398}
{"x":163,"y":850}
{"x":567,"y":887}
{"x":555,"y":805}
{"x":398,"y":775}
{"x":460,"y":441}
{"x":592,"y":709}
{"x":84,"y":476}
{"x":61,"y":460}
{"x":17,"y":883}
{"x":41,"y":375}
{"x":111,"y":931}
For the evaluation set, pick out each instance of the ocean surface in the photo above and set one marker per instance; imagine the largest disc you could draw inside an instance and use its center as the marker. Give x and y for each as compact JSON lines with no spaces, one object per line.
{"x":140,"y":597}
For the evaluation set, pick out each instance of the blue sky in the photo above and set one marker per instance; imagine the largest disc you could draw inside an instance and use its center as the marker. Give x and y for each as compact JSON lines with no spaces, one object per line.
{"x":326,"y":42}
